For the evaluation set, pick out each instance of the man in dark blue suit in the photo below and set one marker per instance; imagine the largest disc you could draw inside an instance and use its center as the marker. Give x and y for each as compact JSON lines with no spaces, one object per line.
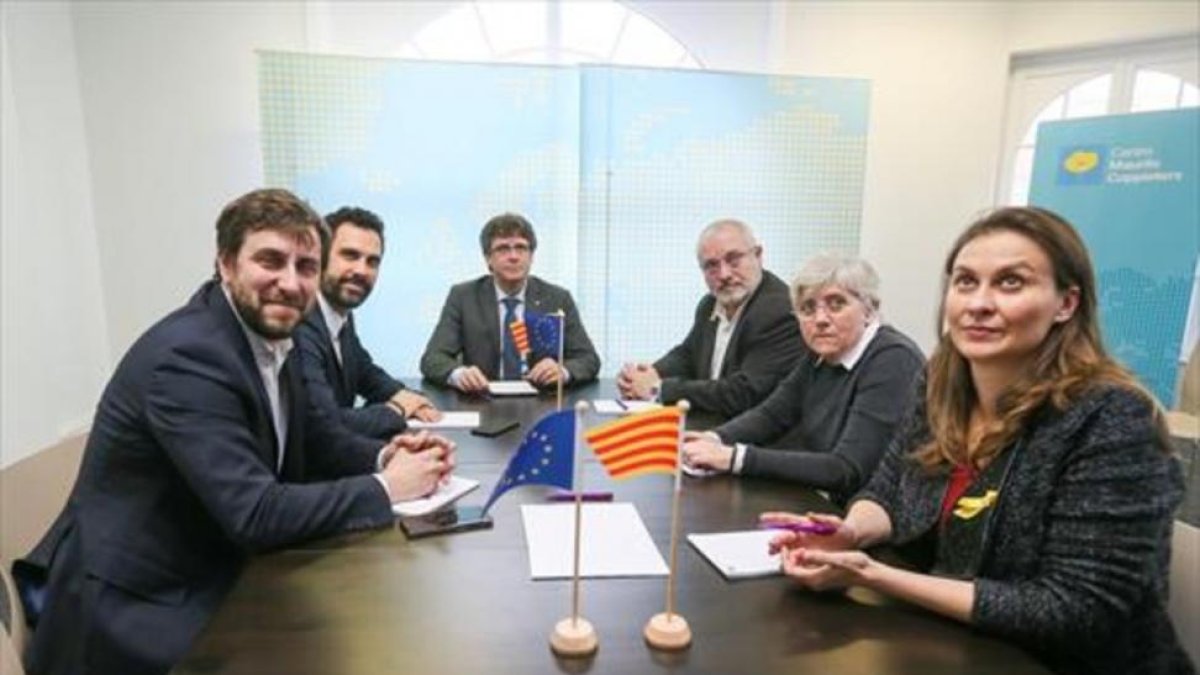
{"x":203,"y":451}
{"x":336,"y":366}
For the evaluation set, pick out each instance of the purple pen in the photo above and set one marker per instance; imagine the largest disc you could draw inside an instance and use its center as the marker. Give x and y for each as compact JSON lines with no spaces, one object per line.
{"x":811,"y":527}
{"x":587,"y":496}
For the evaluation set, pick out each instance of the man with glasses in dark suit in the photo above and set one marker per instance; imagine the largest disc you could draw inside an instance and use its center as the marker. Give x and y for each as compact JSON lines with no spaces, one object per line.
{"x":743,"y":339}
{"x":473,"y":343}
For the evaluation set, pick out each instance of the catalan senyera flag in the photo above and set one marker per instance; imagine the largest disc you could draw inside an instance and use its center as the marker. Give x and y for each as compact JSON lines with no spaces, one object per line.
{"x":638,"y":444}
{"x":520,"y":336}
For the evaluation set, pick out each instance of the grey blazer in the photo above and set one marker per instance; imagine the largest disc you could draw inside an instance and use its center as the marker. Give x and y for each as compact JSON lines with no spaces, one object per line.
{"x":468,"y":331}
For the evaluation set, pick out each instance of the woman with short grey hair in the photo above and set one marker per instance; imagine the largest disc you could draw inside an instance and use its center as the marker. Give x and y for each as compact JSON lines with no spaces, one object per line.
{"x":828,"y":422}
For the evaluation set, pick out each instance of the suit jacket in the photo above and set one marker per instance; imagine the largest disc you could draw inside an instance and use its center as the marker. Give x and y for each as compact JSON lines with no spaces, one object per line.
{"x":178,"y":486}
{"x":764,"y":347}
{"x":333,"y":386}
{"x":468,"y":332}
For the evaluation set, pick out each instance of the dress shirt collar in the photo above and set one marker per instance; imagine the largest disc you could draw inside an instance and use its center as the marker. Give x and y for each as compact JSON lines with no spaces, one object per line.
{"x":333,"y":320}
{"x":852,"y":357}
{"x":501,"y":295}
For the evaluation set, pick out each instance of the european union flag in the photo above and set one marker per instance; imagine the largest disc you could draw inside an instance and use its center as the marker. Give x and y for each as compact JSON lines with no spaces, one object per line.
{"x":545,"y":457}
{"x":545,"y":332}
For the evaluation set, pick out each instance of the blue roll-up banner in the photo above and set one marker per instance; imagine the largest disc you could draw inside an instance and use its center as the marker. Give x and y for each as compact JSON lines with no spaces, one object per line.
{"x":1129,"y":184}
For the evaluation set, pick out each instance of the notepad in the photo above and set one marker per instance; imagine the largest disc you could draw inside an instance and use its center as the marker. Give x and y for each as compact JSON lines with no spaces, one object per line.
{"x":738,"y":555}
{"x":452,"y":490}
{"x":464,"y":419}
{"x":608,"y":406}
{"x":511,"y":388}
{"x":613,"y":542}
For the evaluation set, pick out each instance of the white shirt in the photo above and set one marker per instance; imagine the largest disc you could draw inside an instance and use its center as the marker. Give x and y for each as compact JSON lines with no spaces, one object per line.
{"x":335,"y":322}
{"x":501,"y":310}
{"x":725,"y":327}
{"x":854,"y":354}
{"x":269,"y":356}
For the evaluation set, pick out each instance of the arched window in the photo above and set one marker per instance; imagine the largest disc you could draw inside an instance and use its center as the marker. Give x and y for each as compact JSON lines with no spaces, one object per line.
{"x":548,"y":31}
{"x":1100,"y":82}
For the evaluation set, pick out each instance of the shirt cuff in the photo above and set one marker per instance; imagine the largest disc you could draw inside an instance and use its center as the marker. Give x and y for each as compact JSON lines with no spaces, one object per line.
{"x":455,"y":376}
{"x":739,"y":457}
{"x":384,"y":484}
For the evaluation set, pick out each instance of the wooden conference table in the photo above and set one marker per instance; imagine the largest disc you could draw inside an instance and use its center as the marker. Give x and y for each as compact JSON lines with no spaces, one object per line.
{"x":375,"y":602}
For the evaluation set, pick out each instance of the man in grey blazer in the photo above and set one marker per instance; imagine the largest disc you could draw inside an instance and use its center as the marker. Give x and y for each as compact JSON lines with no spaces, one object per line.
{"x":743,"y":340}
{"x":472,"y":343}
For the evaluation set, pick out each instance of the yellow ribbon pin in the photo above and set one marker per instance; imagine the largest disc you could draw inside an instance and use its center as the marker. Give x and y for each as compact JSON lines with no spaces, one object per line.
{"x":969,"y":507}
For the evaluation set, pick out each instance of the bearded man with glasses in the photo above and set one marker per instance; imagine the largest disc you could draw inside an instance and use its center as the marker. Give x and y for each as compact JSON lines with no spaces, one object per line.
{"x":743,"y":338}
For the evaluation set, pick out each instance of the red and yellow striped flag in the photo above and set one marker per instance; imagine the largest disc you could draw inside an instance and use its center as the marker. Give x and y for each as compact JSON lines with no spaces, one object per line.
{"x":520,"y":336}
{"x":638,"y":444}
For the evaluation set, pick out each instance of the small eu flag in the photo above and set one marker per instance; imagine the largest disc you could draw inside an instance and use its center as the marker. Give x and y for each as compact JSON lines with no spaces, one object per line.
{"x":545,"y":332}
{"x":545,"y":457}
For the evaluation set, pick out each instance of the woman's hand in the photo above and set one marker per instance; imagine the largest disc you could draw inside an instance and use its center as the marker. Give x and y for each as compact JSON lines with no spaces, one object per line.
{"x":843,"y":537}
{"x":823,"y":570}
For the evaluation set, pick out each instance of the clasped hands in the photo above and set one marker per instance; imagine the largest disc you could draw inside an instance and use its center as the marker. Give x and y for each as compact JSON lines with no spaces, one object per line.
{"x":821,"y":562}
{"x":415,"y":464}
{"x":407,"y":403}
{"x":638,"y":381}
{"x":544,"y":373}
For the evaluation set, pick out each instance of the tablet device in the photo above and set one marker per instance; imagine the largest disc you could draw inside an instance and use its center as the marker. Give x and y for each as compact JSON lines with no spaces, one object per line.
{"x":446,"y":521}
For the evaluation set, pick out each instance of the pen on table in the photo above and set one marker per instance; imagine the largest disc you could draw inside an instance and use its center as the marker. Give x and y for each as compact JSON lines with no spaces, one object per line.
{"x":811,"y":527}
{"x":586,"y":496}
{"x":621,"y":404}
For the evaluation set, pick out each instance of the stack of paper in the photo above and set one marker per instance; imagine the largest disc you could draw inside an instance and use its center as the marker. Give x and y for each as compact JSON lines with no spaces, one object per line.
{"x":452,"y":490}
{"x":614,"y":542}
{"x":511,"y":388}
{"x":464,"y":419}
{"x":738,"y":555}
{"x":609,"y":406}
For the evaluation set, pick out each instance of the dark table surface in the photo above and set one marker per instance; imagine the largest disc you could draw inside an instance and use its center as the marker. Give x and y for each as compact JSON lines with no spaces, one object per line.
{"x":375,"y":602}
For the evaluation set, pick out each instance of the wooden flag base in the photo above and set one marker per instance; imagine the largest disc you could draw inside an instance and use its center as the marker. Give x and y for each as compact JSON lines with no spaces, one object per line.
{"x":668,"y":632}
{"x":573,"y":637}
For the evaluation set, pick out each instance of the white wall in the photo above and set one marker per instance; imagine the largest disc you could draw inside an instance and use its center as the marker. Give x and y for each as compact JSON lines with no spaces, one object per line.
{"x":938,"y":73}
{"x":54,"y":348}
{"x":127,"y":125}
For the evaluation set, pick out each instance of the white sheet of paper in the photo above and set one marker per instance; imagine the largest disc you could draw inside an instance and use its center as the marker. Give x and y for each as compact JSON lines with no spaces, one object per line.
{"x":457,"y":487}
{"x":458,"y":419}
{"x":738,"y":555}
{"x":511,"y":388}
{"x":614,"y":542}
{"x":608,"y":406}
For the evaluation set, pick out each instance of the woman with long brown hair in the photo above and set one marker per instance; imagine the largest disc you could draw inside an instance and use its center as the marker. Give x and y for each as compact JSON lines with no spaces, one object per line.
{"x":1032,"y":475}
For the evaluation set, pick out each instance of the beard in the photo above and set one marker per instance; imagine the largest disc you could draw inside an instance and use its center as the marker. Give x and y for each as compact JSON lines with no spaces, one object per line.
{"x":340,"y":292}
{"x":732,"y":295}
{"x":253,"y":312}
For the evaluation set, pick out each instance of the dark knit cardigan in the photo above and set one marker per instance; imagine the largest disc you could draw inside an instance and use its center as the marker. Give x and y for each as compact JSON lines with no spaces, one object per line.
{"x":1074,"y":566}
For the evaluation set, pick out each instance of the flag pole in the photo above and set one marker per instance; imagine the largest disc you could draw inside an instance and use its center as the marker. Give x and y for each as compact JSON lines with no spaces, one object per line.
{"x":562,"y":337}
{"x":669,"y":630}
{"x":574,"y":636}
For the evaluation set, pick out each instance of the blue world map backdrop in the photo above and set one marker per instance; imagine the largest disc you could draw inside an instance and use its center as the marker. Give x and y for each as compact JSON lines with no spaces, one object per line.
{"x":1130,"y":184}
{"x":617,"y":168}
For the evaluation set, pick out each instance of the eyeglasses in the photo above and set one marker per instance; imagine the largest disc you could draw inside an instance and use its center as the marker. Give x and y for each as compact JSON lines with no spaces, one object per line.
{"x":833,"y":306}
{"x":733,"y":259}
{"x":505,"y":249}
